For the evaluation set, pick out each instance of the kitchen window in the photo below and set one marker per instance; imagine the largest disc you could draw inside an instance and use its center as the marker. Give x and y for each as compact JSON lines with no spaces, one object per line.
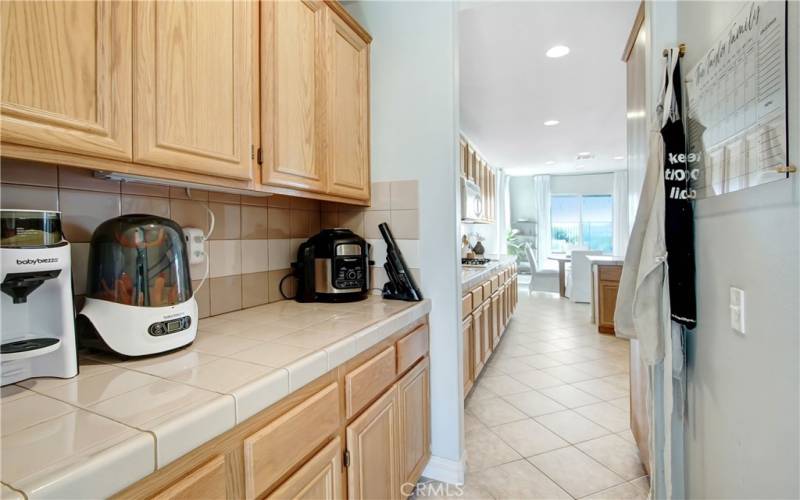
{"x":581,"y":221}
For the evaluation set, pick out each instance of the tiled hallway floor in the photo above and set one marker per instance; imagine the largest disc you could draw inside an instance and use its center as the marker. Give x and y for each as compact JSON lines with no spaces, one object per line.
{"x":549,"y":418}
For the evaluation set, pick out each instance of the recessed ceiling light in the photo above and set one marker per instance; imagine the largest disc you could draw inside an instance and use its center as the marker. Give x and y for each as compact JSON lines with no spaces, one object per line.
{"x":585,"y":155}
{"x":619,"y":157}
{"x":551,"y":123}
{"x":557,"y":51}
{"x":551,"y":162}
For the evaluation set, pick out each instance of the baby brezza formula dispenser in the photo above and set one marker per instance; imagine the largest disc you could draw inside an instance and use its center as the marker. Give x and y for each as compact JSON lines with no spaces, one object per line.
{"x":38,"y":316}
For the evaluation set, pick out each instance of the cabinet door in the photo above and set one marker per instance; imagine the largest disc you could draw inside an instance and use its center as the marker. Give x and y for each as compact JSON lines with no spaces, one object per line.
{"x":207,"y":481}
{"x":466,"y":329}
{"x":66,"y":76}
{"x":318,"y":479}
{"x":193,"y":86}
{"x":348,"y":116}
{"x":486,"y":342}
{"x":607,"y":291}
{"x":477,"y":341}
{"x":292,"y":93}
{"x":372,"y":440}
{"x":413,"y":396}
{"x":495,"y":319}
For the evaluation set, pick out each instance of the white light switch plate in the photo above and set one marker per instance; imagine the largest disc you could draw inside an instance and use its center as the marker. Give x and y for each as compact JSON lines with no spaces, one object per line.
{"x":737,"y":309}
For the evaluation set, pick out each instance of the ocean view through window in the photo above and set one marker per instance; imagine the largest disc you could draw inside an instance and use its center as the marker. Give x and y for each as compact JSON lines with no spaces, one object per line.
{"x":581,"y":222}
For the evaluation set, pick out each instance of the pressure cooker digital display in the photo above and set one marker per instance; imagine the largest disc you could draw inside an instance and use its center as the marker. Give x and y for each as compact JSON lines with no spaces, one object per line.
{"x":348,"y":273}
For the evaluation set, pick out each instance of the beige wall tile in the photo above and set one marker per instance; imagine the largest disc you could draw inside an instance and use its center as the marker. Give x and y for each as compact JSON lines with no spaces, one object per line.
{"x":371,"y":220}
{"x":279,"y":225}
{"x":189,"y":214}
{"x":79,"y":253}
{"x":257,"y":201}
{"x":224,"y":197}
{"x":304,"y":204}
{"x":179,"y":193}
{"x":14,"y":171}
{"x":280,"y":254}
{"x":227,"y":221}
{"x":254,"y":223}
{"x":377,"y":277}
{"x":83,"y":178}
{"x":352,"y":220}
{"x":226,"y":258}
{"x":145,"y":189}
{"x":405,"y":224}
{"x":380,"y":197}
{"x":279,"y":201}
{"x":254,"y":289}
{"x":254,"y":256}
{"x":404,"y":195}
{"x":298,"y":223}
{"x":197,"y":271}
{"x":83,"y":211}
{"x":313,"y":222}
{"x":28,"y":197}
{"x":274,"y":279}
{"x":226,"y":294}
{"x":202,"y":297}
{"x":328,"y":220}
{"x":134,"y":204}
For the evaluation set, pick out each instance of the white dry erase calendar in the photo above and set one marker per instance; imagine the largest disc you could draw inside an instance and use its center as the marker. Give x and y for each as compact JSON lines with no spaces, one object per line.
{"x":736,"y":102}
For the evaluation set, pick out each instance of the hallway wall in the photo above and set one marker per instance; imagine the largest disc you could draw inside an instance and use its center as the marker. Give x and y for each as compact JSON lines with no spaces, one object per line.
{"x":742,"y":433}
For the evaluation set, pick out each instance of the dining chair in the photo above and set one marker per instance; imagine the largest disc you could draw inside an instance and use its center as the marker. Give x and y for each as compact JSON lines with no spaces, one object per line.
{"x":579,"y":279}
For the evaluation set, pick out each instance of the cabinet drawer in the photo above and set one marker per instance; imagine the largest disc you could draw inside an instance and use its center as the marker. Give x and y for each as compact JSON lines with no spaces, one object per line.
{"x":477,"y":296}
{"x":609,"y":273}
{"x":466,"y":305}
{"x":495,"y":283}
{"x":487,"y":290}
{"x":207,"y":481}
{"x":369,"y":380}
{"x":319,"y":479}
{"x":272,"y":451}
{"x":412,"y":347}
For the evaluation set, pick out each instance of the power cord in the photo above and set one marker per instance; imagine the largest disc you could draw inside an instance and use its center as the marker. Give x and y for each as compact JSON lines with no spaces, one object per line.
{"x":205,"y":239}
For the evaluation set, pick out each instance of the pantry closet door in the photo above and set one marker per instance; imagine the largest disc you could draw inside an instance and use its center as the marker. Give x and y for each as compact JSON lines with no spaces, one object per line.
{"x":193,"y":86}
{"x":66,"y":76}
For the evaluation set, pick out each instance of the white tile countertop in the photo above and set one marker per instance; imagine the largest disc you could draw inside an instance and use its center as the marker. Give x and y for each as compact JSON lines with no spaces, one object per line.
{"x":118,"y":421}
{"x":474,"y":276}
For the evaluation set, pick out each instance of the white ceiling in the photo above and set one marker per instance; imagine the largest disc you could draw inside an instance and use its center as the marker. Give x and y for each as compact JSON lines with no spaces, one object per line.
{"x":508,"y":88}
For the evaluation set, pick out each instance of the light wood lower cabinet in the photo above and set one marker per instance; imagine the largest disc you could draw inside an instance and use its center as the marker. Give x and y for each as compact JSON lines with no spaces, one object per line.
{"x":208,"y":481}
{"x":319,"y":479}
{"x":373,"y":444}
{"x":477,"y":341}
{"x":66,"y":76}
{"x":607,"y":286}
{"x":413,"y":397}
{"x":486,"y":338}
{"x":467,"y":340}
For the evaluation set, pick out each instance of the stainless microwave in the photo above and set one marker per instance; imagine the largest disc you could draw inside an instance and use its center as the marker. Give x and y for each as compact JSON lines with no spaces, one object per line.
{"x":471,"y":201}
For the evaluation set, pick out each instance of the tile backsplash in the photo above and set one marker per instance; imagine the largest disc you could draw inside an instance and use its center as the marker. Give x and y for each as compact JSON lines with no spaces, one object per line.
{"x":254,"y":239}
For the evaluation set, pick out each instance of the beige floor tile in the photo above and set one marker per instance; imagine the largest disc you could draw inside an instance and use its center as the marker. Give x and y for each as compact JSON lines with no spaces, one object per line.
{"x":616,"y":454}
{"x":502,"y":385}
{"x":480,"y":392}
{"x":540,"y":361}
{"x":569,"y":356}
{"x":428,"y":489}
{"x":471,"y":422}
{"x":572,"y":426}
{"x":643,"y":483}
{"x":567,"y":373}
{"x":624,"y":491}
{"x":569,"y":396}
{"x":528,"y":437}
{"x":627,"y":435}
{"x":510,"y":366}
{"x":537,"y":379}
{"x":494,"y":411}
{"x":607,"y":415}
{"x":534,"y":403}
{"x":519,"y":480}
{"x":576,"y":472}
{"x":600,"y":389}
{"x":623,"y":403}
{"x":485,"y":449}
{"x":621,"y":381}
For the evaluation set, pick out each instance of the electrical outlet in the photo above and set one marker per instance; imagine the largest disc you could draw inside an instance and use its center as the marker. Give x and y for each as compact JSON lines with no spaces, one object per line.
{"x":194,"y":244}
{"x":737,"y":310}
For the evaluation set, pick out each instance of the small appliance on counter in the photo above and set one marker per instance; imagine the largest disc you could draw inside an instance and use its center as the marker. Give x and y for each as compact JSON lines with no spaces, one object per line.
{"x":38,"y":316}
{"x":401,"y":284}
{"x":138,"y":291}
{"x":332,"y":266}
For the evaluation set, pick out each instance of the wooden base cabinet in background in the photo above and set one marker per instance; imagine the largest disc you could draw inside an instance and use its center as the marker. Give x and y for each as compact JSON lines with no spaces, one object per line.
{"x":314,"y":445}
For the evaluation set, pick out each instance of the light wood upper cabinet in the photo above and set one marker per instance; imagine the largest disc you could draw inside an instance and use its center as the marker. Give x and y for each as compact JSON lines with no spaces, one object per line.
{"x":372,"y":440}
{"x":193,"y":86}
{"x":414,"y":411}
{"x":66,"y":76}
{"x":318,"y":479}
{"x":292,"y":93}
{"x":347,"y":128}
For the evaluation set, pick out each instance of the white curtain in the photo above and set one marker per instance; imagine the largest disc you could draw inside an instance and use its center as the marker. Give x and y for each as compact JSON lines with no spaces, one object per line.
{"x":503,"y":215}
{"x":541,"y":196}
{"x":620,"y":204}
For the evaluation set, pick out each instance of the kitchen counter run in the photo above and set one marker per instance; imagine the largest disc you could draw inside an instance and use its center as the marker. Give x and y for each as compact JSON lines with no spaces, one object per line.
{"x":472,"y":276}
{"x":119,"y":421}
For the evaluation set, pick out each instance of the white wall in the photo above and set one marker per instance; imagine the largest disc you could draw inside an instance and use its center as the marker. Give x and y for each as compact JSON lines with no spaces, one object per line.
{"x":743,"y":395}
{"x":414,"y":124}
{"x":582,"y":184}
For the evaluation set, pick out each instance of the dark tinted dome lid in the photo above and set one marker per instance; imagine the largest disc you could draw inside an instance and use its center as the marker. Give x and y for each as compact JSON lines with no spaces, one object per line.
{"x":127,"y":222}
{"x":324,"y":240}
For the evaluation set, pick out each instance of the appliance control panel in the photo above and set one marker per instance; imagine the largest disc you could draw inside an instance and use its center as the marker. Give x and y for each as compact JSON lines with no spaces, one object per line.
{"x":348,"y":273}
{"x":170,"y":326}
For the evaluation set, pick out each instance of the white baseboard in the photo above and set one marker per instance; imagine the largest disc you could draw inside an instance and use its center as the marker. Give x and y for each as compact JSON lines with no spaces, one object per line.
{"x":445,"y":470}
